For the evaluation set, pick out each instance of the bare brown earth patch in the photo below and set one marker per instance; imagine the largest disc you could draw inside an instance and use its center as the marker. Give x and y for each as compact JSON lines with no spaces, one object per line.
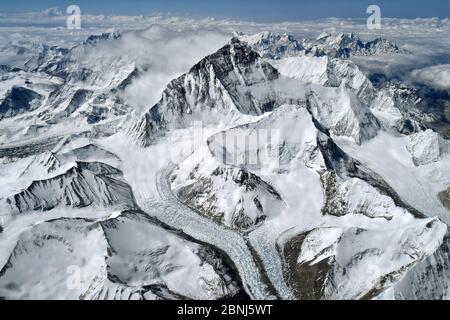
{"x":306,"y":281}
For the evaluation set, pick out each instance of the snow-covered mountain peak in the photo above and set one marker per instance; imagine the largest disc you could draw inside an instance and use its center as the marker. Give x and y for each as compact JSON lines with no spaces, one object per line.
{"x":426,"y":147}
{"x":94,"y":39}
{"x":345,"y":45}
{"x":276,"y":46}
{"x":272,"y":45}
{"x":223,"y":86}
{"x":250,"y":85}
{"x":328,"y":72}
{"x":239,"y":58}
{"x":323,"y":36}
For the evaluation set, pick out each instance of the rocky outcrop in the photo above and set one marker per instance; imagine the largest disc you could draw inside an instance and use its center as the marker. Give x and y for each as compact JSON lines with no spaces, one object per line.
{"x":85,"y":184}
{"x":342,"y":263}
{"x":426,"y":147}
{"x":232,"y":81}
{"x":19,"y":100}
{"x":249,"y":197}
{"x":346,"y":45}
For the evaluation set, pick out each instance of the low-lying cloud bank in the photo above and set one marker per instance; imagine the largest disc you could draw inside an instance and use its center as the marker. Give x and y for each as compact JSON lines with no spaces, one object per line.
{"x":436,"y":76}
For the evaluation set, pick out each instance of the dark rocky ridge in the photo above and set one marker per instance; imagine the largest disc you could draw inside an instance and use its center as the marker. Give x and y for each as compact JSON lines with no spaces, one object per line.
{"x":19,"y":100}
{"x":86,"y":184}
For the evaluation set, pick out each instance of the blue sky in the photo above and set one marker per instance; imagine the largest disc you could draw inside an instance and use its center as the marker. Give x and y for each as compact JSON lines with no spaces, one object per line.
{"x":257,"y":10}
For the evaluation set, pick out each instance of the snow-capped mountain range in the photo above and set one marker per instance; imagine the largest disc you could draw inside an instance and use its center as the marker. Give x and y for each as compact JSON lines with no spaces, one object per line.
{"x":277,"y":46}
{"x":273,"y":168}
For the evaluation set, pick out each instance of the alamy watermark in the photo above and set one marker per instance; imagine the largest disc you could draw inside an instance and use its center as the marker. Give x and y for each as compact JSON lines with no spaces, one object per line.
{"x":73,"y":21}
{"x":74,"y":277}
{"x":374,"y":20}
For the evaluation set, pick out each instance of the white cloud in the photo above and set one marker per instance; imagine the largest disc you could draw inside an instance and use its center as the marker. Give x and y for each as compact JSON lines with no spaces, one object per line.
{"x":436,"y":76}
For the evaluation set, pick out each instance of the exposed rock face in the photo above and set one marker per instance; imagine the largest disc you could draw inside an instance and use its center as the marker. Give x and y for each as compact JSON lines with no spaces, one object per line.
{"x":224,"y":172}
{"x":277,"y":46}
{"x":331,"y":259}
{"x":89,"y":152}
{"x":78,"y":98}
{"x":320,"y":61}
{"x":247,"y":199}
{"x":327,"y":255}
{"x":213,"y":88}
{"x":46,"y":59}
{"x":106,"y":36}
{"x":381,"y":46}
{"x":77,"y":88}
{"x":427,"y":280}
{"x":197,"y":181}
{"x":19,"y":100}
{"x":61,"y":62}
{"x":346,"y":45}
{"x":444,"y":197}
{"x":232,"y":81}
{"x":355,"y":196}
{"x":83,"y":185}
{"x":397,"y":109}
{"x":46,"y":162}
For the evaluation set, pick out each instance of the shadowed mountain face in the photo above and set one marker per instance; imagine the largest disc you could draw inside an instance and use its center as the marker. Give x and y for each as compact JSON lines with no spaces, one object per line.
{"x":232,"y":81}
{"x":430,"y":106}
{"x":437,"y":103}
{"x":83,"y":185}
